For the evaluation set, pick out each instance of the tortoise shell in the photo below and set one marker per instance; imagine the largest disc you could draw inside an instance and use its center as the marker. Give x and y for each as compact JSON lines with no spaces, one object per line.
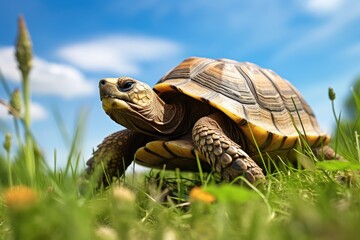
{"x":267,"y":108}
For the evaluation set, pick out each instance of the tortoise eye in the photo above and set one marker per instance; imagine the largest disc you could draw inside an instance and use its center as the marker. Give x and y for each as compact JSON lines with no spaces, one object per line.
{"x":126,"y":86}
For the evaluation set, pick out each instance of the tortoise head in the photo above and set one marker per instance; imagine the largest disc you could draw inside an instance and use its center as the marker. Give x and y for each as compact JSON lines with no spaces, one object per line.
{"x":132,"y":104}
{"x":124,"y":93}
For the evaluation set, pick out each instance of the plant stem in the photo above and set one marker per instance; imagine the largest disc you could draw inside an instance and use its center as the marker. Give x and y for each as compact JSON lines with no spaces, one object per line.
{"x":9,"y":168}
{"x":337,"y":119}
{"x":7,"y":147}
{"x":29,"y":150}
{"x":24,"y":58}
{"x":17,"y":132}
{"x":357,"y":144}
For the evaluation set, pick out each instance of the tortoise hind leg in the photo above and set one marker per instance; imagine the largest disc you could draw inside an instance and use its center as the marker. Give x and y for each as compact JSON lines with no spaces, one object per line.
{"x":227,"y":157}
{"x":326,"y":153}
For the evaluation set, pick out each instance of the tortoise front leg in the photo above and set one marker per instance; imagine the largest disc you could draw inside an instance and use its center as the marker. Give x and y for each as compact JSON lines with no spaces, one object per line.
{"x":222,"y":153}
{"x":114,"y":155}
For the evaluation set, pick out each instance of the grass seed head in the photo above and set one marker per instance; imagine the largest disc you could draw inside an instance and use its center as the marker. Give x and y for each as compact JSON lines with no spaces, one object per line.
{"x":332,"y":94}
{"x":7,"y":142}
{"x":16,"y":101}
{"x":23,"y":48}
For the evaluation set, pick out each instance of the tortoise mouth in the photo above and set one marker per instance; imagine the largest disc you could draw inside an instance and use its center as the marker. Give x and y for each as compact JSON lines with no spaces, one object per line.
{"x":110,"y":102}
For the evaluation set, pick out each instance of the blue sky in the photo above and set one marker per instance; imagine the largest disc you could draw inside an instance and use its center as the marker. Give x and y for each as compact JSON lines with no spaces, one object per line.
{"x":314,"y":44}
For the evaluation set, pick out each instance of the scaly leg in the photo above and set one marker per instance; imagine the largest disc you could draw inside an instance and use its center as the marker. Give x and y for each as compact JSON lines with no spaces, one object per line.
{"x":326,"y":153}
{"x":115,"y":154}
{"x":226,"y":156}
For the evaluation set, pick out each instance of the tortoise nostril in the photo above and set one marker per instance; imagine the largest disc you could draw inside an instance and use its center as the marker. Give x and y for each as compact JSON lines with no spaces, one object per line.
{"x":102,"y":82}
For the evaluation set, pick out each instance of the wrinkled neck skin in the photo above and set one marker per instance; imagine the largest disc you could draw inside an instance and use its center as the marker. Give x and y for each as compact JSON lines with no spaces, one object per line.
{"x":157,"y":119}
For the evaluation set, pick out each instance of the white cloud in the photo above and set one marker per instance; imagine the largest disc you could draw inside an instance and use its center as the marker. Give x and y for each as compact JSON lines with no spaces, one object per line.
{"x":37,"y":112}
{"x":323,"y":6}
{"x":118,"y":53}
{"x":47,"y":78}
{"x":4,"y":112}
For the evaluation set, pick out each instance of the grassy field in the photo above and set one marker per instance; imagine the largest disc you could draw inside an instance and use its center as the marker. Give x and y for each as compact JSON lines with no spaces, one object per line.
{"x":321,"y":201}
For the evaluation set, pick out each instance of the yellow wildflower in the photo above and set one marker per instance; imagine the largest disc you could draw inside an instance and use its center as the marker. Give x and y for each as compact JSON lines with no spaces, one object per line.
{"x":197,"y":194}
{"x":19,"y":197}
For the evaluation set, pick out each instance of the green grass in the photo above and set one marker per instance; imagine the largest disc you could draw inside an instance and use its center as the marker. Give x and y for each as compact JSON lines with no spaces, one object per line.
{"x":293,"y":204}
{"x":318,"y":202}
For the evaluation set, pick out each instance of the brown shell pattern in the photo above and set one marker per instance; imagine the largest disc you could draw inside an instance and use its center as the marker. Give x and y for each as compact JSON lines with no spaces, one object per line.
{"x":265,"y":106}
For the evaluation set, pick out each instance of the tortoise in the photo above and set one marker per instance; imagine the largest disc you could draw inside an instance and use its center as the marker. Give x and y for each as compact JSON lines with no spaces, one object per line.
{"x":224,"y":112}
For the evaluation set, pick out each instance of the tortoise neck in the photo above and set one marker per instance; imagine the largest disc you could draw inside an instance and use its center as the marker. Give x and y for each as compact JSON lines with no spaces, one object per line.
{"x":178,"y":117}
{"x":161,"y":119}
{"x":170,"y":119}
